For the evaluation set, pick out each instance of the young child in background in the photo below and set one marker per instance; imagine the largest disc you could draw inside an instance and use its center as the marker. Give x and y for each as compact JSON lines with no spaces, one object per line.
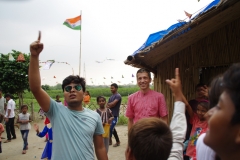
{"x":58,"y":99}
{"x":46,"y":122}
{"x":41,"y":113}
{"x":106,"y":116}
{"x":1,"y":131}
{"x":199,"y":125}
{"x":24,"y":119}
{"x":47,"y":152}
{"x":86,"y":98}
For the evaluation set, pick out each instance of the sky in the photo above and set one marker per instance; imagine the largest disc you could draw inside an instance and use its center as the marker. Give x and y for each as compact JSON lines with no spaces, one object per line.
{"x":111,"y":29}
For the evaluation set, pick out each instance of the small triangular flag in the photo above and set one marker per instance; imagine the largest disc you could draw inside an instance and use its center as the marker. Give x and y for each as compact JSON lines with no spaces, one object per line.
{"x":188,"y":14}
{"x":122,"y":76}
{"x":54,"y":76}
{"x":111,"y":77}
{"x":104,"y":78}
{"x":132,"y":75}
{"x":11,"y":57}
{"x":48,"y":65}
{"x":20,"y":58}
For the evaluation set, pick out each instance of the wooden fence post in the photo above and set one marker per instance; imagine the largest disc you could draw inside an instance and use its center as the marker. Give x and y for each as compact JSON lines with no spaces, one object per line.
{"x":32,"y":112}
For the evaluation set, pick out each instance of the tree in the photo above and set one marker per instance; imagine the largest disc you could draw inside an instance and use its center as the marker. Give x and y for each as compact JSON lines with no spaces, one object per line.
{"x":45,"y":87}
{"x":14,"y":74}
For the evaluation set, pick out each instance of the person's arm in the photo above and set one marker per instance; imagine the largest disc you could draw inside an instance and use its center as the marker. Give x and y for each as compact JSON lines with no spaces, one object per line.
{"x":8,"y":112}
{"x":112,"y":104}
{"x":165,"y":119}
{"x":178,"y":124}
{"x":130,"y":123}
{"x":100,"y":149}
{"x":30,"y":119}
{"x":41,"y":96}
{"x":18,"y":120}
{"x":43,"y":133}
{"x":188,"y":107}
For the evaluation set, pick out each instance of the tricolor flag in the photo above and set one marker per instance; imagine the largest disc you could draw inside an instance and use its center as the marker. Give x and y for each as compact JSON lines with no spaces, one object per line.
{"x":73,"y":23}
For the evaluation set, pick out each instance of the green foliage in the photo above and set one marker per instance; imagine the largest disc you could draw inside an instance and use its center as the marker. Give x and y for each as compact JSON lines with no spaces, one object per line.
{"x":14,"y":75}
{"x":45,"y":87}
{"x":122,"y":120}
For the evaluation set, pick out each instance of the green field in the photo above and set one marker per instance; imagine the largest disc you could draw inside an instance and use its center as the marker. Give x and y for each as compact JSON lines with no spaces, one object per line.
{"x":28,"y":97}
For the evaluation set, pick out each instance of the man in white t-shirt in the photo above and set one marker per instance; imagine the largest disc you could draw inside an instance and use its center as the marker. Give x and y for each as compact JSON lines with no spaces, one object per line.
{"x":9,"y":118}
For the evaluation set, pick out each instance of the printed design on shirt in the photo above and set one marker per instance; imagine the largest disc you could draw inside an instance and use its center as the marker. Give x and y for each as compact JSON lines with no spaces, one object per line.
{"x":194,"y":137}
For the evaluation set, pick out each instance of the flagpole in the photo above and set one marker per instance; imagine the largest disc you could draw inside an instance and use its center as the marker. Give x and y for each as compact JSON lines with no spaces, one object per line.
{"x":80,"y":43}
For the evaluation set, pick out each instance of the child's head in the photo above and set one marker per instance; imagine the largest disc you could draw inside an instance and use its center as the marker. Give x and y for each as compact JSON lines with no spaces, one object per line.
{"x":24,"y":108}
{"x":223,"y":135}
{"x":101,"y":101}
{"x":202,"y":109}
{"x":86,"y":93}
{"x":57,"y":97}
{"x":149,"y":139}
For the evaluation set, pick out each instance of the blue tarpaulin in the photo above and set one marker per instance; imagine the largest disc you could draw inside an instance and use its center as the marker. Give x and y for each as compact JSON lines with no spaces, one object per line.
{"x":154,"y":37}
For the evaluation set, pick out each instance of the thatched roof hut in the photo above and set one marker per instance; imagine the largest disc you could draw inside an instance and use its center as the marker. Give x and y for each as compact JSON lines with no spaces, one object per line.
{"x":202,"y":48}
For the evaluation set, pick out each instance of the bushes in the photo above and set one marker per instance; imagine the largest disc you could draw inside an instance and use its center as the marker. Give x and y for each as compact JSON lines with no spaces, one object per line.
{"x":122,"y":120}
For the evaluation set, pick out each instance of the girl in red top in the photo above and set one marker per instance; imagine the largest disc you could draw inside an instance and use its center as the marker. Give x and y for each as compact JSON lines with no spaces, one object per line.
{"x":199,"y":125}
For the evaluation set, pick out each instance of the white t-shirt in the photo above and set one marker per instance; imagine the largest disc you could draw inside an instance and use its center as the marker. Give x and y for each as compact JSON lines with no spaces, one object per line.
{"x":24,"y":117}
{"x":11,"y":106}
{"x":203,"y":151}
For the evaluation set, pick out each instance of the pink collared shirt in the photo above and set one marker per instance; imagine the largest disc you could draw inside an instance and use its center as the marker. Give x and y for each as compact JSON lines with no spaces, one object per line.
{"x":150,"y":104}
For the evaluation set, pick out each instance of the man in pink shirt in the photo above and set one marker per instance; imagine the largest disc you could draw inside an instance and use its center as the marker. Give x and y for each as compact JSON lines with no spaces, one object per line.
{"x":146,"y":102}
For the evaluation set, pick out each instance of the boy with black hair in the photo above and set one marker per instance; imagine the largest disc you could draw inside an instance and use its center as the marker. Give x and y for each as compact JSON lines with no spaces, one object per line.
{"x":76,"y":130}
{"x":114,"y":103}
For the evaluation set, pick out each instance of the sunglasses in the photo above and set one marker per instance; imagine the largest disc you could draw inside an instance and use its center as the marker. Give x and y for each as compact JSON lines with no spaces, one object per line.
{"x":69,"y":88}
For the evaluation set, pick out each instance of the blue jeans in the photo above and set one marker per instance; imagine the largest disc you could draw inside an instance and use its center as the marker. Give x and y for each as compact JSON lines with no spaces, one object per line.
{"x":24,"y":137}
{"x":113,"y":130}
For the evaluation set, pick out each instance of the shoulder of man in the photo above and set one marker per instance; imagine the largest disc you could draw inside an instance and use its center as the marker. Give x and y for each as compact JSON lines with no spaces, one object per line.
{"x":157,"y":93}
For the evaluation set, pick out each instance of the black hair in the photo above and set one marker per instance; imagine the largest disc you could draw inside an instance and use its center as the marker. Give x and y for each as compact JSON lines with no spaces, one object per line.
{"x":88,"y":93}
{"x":114,"y":85}
{"x":142,"y":70}
{"x":24,"y":105}
{"x":216,"y":89}
{"x":7,"y":95}
{"x":74,"y":79}
{"x":231,"y":85}
{"x":98,"y":98}
{"x":204,"y":104}
{"x":57,"y":96}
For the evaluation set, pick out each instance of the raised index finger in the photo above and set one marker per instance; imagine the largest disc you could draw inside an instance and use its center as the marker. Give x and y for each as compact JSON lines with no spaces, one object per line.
{"x":39,"y":36}
{"x":177,"y":76}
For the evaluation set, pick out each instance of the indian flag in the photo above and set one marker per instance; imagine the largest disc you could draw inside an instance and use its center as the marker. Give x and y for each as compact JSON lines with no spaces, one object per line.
{"x":73,"y":23}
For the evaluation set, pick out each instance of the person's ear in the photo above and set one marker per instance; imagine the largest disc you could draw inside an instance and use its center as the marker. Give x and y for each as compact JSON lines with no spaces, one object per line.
{"x":238,"y":136}
{"x":129,"y":154}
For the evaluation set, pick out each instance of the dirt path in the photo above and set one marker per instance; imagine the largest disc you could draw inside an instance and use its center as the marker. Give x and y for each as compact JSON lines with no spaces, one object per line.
{"x":13,"y":149}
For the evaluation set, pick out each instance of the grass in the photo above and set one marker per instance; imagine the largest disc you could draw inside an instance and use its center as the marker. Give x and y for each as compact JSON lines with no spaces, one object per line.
{"x":29,"y":99}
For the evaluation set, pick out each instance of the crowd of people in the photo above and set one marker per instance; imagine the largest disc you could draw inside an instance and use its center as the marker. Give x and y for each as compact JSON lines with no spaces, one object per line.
{"x":205,"y":128}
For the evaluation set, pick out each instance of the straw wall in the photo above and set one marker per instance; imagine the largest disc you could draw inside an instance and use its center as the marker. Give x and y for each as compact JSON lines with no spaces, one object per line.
{"x":210,"y":56}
